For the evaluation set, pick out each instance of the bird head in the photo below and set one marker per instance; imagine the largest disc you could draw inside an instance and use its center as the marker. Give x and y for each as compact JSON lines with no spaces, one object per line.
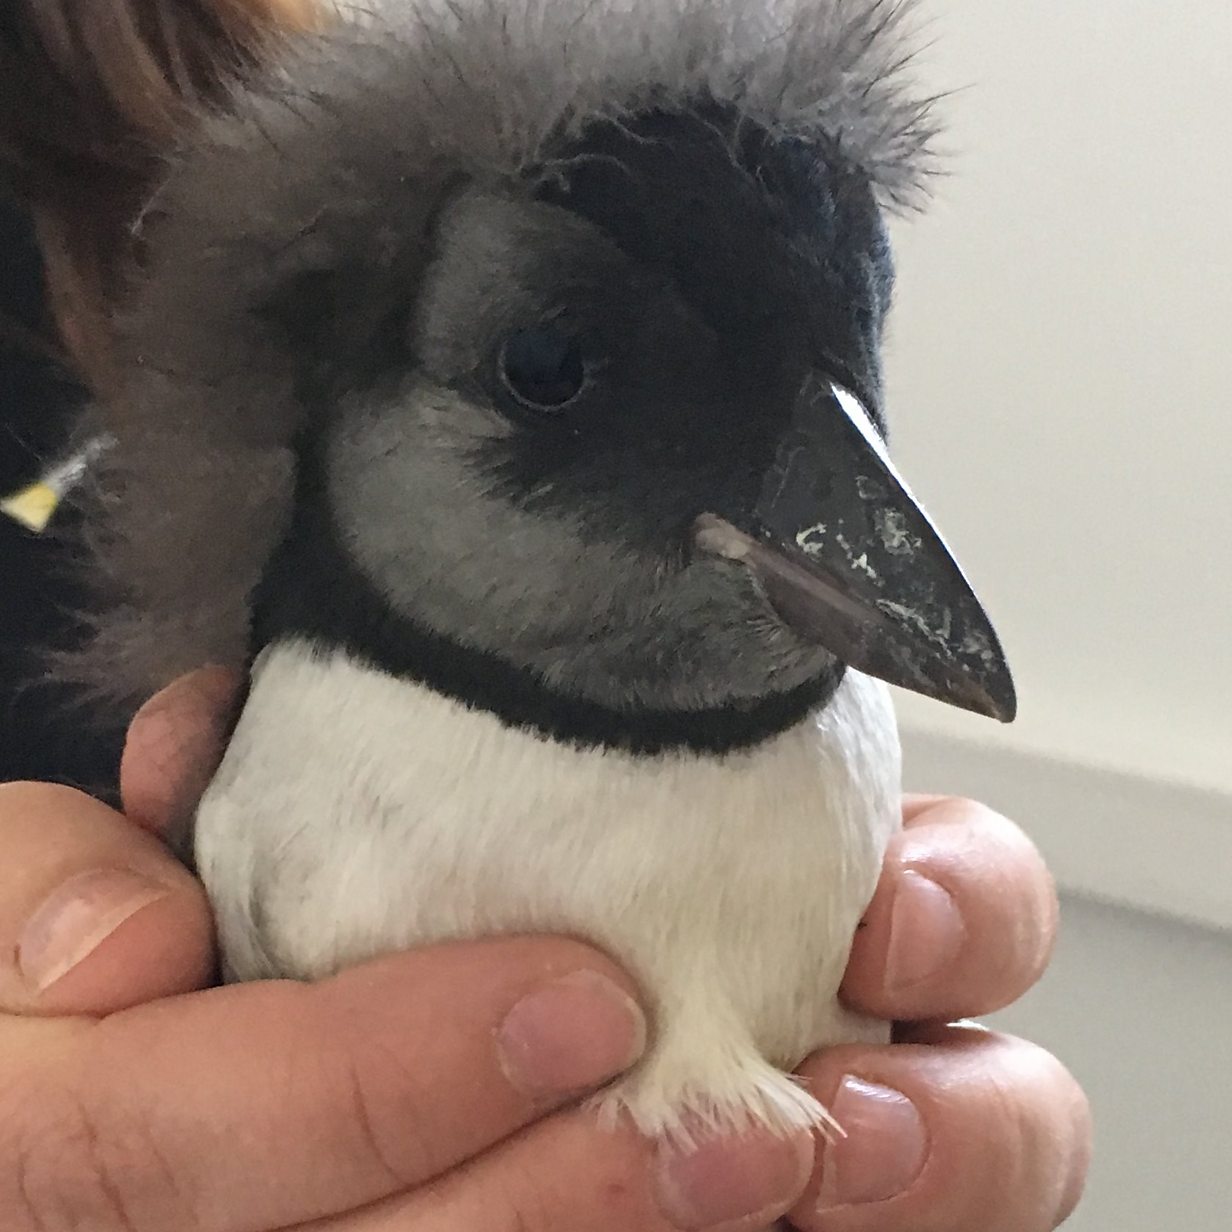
{"x":593,"y":411}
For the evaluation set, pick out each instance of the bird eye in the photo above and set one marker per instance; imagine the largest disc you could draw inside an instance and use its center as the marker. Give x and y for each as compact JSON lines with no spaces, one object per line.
{"x":542,"y":368}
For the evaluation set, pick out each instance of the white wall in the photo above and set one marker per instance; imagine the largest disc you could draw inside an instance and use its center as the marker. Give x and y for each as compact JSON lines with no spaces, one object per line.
{"x":1061,"y":366}
{"x":1061,"y":388}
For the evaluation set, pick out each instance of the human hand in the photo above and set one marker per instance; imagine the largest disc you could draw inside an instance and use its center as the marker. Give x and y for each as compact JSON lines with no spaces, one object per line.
{"x":152,"y":1118}
{"x":951,"y":1128}
{"x":426,"y":1092}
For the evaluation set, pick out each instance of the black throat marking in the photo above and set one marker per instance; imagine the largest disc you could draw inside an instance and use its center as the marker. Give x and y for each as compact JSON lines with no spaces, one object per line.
{"x":314,"y":591}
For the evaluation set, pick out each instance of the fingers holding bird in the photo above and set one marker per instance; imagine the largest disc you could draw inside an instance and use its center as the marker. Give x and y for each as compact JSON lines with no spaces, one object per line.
{"x":95,"y":915}
{"x":265,"y":1105}
{"x":175,"y":743}
{"x":570,"y":1174}
{"x":963,"y":921}
{"x":960,"y":1129}
{"x":952,"y":1127}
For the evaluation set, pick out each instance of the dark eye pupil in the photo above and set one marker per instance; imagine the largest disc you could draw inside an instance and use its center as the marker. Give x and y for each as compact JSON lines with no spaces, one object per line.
{"x":542,"y":367}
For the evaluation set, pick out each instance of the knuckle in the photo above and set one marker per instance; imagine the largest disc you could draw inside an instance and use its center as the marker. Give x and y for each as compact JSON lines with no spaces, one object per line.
{"x":1028,"y":931}
{"x":965,"y":815}
{"x":1010,"y":896}
{"x":565,"y":1180}
{"x":527,"y":1206}
{"x":404,"y":1156}
{"x":66,"y":1169}
{"x":1045,"y":1140}
{"x":398,"y":1122}
{"x":21,"y":796}
{"x":531,"y":1216}
{"x":1079,"y":1156}
{"x":1009,"y":1134}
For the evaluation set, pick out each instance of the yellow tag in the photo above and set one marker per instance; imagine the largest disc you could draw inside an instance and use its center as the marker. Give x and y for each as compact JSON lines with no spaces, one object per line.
{"x":32,"y":507}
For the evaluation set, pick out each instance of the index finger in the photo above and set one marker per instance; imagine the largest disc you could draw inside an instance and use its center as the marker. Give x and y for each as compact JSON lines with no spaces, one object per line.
{"x":264,"y":1105}
{"x":175,"y":743}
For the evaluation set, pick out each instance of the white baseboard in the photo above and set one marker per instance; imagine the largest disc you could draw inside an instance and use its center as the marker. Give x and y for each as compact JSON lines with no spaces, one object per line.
{"x":1142,"y":843}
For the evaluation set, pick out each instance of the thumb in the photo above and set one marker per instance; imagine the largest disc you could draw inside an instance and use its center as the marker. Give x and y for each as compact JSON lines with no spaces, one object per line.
{"x":95,"y":915}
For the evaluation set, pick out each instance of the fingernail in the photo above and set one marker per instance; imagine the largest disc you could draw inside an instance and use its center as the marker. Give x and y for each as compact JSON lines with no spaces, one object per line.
{"x":730,"y":1183}
{"x":883,"y":1151}
{"x":926,"y":931}
{"x":77,"y":918}
{"x":571,"y":1036}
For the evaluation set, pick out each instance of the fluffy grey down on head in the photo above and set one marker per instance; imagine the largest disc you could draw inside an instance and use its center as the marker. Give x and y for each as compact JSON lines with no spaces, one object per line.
{"x":699,"y":183}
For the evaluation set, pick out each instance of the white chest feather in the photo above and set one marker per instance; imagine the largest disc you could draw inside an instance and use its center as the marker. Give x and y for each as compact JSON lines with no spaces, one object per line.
{"x":356,"y":814}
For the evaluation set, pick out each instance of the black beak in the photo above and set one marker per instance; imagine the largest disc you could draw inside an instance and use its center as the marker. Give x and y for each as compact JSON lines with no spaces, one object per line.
{"x":848,"y":559}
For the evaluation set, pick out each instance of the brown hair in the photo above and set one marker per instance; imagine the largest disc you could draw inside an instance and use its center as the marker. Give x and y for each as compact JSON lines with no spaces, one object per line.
{"x":91,"y":93}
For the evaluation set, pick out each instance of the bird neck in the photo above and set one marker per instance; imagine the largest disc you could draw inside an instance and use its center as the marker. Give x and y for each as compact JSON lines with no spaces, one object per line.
{"x":314,"y":591}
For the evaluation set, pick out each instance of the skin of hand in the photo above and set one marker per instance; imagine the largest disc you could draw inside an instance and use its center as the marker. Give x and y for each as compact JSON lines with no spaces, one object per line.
{"x":437,"y":1091}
